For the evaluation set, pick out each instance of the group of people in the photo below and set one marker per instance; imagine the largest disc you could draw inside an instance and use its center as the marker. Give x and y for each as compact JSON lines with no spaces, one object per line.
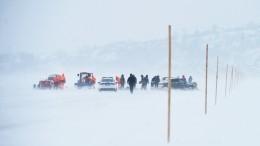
{"x":132,"y":81}
{"x":59,"y":81}
{"x":155,"y":81}
{"x":144,"y":81}
{"x":89,"y":78}
{"x":184,"y":79}
{"x":121,"y":81}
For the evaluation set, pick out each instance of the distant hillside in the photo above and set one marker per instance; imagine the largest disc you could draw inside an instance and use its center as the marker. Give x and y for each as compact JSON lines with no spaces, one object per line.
{"x":239,"y":47}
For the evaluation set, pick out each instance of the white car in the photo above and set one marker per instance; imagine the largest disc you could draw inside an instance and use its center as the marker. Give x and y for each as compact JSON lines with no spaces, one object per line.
{"x":107,"y":84}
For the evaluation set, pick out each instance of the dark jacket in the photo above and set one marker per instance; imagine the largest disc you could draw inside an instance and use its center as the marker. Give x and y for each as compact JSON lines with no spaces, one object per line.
{"x":131,"y":80}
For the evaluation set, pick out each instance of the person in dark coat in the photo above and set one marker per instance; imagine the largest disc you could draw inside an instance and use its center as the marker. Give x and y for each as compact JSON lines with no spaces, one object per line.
{"x":183,"y":78}
{"x":157,"y":80}
{"x":122,"y":81}
{"x":153,"y":81}
{"x":142,"y":82}
{"x":131,"y":82}
{"x":135,"y":80}
{"x":145,"y":82}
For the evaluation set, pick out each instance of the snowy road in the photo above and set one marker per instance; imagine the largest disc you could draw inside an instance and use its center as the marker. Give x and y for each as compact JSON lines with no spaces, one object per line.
{"x":91,"y":118}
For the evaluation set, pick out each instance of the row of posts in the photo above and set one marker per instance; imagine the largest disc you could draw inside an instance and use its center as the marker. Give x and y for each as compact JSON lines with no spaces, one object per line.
{"x":235,"y":78}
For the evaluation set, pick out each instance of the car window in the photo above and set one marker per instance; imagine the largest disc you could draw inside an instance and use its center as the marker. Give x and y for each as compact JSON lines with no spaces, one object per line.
{"x":107,"y":80}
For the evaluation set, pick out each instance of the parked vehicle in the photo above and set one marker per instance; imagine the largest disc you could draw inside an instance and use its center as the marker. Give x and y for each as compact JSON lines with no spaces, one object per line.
{"x":164,"y":81}
{"x":177,"y":83}
{"x":44,"y":84}
{"x":107,"y":84}
{"x":85,"y":80}
{"x":54,"y":81}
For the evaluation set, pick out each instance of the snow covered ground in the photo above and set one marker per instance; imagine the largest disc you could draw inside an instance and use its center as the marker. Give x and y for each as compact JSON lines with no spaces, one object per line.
{"x":91,"y":118}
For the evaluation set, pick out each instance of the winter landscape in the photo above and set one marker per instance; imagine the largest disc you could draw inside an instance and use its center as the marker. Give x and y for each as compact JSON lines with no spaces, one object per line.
{"x":110,"y":38}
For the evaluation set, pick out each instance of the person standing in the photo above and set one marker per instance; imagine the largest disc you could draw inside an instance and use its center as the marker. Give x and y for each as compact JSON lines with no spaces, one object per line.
{"x":146,"y":81}
{"x":153,"y":82}
{"x":142,"y":82}
{"x":56,"y":81}
{"x":135,"y":81}
{"x":118,"y":79}
{"x":190,"y":79}
{"x":62,"y":81}
{"x":131,"y":82}
{"x":122,"y":81}
{"x":184,"y":78}
{"x":157,"y":80}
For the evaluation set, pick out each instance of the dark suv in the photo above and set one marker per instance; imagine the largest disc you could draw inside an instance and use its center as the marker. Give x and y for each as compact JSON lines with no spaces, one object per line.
{"x":178,"y":83}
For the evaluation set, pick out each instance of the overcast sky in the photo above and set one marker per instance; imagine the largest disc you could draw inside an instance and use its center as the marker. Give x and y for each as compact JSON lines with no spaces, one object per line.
{"x":49,"y":25}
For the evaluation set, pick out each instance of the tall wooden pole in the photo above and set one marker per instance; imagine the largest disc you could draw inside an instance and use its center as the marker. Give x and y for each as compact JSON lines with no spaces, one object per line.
{"x":216,"y":92}
{"x":233,"y":71}
{"x":238,"y":77}
{"x":169,"y":87}
{"x":231,"y":79}
{"x":226,"y":81}
{"x":206,"y":89}
{"x":235,"y":76}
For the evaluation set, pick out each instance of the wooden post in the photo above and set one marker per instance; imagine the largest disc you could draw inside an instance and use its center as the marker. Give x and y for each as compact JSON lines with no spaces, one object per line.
{"x":237,"y":77}
{"x":234,"y":80}
{"x":206,"y":88}
{"x":216,"y":92}
{"x":226,"y":81}
{"x":169,"y":87}
{"x":231,"y":79}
